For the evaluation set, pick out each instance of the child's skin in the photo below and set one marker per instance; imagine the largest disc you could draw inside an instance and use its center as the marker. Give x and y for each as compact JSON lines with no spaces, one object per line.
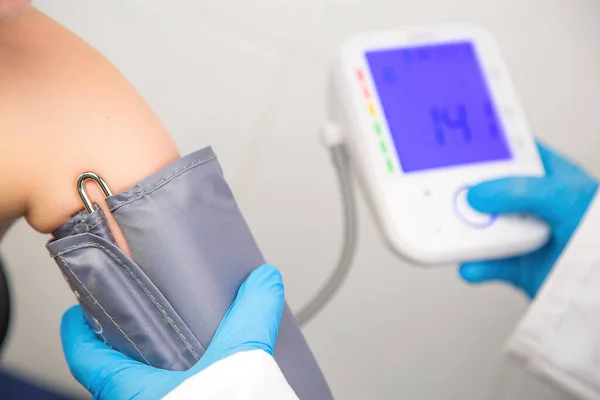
{"x":64,"y":109}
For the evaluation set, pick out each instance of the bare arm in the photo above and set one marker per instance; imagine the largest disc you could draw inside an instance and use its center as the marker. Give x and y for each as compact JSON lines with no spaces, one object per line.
{"x":65,"y":109}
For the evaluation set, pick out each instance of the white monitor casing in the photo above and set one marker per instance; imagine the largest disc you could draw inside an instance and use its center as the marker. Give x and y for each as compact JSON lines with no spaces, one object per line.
{"x":423,"y":215}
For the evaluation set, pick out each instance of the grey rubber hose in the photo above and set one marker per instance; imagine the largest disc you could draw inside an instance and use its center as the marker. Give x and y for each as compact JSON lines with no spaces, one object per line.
{"x":341,"y":162}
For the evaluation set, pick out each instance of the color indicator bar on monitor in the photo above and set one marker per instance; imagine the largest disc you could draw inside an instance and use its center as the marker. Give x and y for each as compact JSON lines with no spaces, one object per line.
{"x":373,"y":112}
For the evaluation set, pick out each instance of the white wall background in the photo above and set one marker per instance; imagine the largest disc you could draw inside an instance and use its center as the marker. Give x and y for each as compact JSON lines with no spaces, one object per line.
{"x":248,"y":77}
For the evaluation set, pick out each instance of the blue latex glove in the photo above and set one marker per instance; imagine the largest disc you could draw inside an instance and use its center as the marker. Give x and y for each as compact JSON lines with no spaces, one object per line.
{"x":251,"y":323}
{"x":561,"y":199}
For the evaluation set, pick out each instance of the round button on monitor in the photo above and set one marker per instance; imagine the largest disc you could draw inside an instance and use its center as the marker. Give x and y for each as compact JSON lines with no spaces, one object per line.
{"x":468,"y":215}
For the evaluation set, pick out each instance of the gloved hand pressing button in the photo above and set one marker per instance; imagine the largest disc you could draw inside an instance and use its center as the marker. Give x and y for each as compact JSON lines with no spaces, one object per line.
{"x":561,"y":199}
{"x":252,"y":323}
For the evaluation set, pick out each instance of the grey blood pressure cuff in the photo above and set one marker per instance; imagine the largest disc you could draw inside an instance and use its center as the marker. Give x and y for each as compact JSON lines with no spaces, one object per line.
{"x":192,"y":251}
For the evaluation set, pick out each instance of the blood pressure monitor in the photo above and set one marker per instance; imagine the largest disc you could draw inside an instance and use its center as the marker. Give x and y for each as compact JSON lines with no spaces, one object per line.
{"x":425,"y":114}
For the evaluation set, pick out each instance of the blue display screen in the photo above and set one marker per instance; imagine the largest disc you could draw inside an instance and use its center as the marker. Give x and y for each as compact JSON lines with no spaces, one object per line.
{"x":438,"y":106}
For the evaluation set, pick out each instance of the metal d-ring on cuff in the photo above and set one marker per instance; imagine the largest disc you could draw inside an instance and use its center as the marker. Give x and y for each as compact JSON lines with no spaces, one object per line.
{"x":84,"y":197}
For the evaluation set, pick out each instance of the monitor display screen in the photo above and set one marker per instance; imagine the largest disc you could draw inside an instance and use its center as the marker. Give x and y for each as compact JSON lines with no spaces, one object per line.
{"x":438,"y":106}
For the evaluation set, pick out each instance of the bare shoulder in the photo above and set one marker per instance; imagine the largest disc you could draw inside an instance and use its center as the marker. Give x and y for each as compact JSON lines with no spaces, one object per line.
{"x":65,"y":109}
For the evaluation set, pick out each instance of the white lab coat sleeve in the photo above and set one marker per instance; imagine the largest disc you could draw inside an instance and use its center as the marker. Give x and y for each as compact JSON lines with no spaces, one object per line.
{"x":558,"y":339}
{"x":248,"y":375}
